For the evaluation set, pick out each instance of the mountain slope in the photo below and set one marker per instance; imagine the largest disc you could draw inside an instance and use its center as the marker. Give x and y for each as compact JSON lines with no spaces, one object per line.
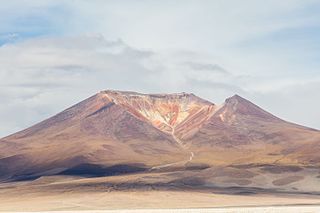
{"x":249,"y":135}
{"x":95,"y":131}
{"x":117,"y":132}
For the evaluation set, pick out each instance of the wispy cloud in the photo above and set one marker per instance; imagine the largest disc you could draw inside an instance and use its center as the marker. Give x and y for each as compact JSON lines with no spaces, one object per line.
{"x":212,"y":68}
{"x":54,"y":53}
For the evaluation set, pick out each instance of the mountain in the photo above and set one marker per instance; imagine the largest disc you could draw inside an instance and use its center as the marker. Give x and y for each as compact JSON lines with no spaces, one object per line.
{"x":250,"y":135}
{"x":116,"y":132}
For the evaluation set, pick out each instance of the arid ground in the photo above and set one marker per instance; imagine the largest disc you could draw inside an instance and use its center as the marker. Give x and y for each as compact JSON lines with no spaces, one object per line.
{"x":67,"y":193}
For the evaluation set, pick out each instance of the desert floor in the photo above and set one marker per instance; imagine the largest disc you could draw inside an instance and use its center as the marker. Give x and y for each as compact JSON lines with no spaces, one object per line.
{"x":74,"y":195}
{"x":70,"y":201}
{"x":269,"y":209}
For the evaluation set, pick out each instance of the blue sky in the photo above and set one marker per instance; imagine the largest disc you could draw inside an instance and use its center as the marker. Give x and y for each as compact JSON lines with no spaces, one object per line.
{"x":55,"y":53}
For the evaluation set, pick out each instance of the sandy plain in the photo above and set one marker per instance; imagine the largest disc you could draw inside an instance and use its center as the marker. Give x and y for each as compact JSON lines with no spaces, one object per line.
{"x":36,"y":201}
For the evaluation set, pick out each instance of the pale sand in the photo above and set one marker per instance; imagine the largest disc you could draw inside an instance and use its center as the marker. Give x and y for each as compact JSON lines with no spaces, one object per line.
{"x":275,"y":209}
{"x":74,"y":201}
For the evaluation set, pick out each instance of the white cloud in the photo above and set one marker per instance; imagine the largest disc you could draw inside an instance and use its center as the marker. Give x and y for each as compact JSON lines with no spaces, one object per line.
{"x":211,"y":48}
{"x":204,"y":25}
{"x":40,"y":77}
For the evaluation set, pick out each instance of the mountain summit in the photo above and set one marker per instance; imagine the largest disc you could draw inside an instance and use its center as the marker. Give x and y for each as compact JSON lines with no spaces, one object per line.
{"x":164,"y":111}
{"x":115,"y":132}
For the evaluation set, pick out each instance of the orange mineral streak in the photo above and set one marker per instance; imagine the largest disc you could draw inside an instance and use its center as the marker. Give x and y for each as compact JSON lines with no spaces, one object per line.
{"x":163,"y":111}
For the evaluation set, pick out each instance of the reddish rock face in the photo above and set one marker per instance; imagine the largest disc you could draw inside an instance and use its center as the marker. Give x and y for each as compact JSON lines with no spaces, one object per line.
{"x":164,"y":111}
{"x":115,"y":127}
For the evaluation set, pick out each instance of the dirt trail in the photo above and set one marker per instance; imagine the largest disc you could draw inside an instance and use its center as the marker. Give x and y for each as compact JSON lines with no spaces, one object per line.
{"x":191,"y":156}
{"x":175,"y":163}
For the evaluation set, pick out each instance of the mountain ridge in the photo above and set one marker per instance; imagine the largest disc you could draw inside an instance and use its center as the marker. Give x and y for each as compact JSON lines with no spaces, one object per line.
{"x":131,"y":132}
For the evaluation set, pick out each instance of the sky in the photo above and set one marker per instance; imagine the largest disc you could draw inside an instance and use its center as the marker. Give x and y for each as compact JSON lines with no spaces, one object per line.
{"x":55,"y":53}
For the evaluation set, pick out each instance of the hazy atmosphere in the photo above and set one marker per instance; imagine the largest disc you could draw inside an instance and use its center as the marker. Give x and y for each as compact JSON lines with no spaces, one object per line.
{"x":56,"y":53}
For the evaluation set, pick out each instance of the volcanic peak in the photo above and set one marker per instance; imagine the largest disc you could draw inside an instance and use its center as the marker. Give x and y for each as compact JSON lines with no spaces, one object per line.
{"x":164,"y":111}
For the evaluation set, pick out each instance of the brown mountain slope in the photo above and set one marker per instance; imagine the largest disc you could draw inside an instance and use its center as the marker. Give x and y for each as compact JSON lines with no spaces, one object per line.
{"x":242,"y":133}
{"x":114,"y":132}
{"x":96,"y":131}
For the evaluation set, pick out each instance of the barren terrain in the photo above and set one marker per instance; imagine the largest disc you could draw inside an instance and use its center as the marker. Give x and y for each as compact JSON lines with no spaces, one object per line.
{"x":126,"y":150}
{"x":61,"y":193}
